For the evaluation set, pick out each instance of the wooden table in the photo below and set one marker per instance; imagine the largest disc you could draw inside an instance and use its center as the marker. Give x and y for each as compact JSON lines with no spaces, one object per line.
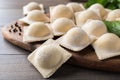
{"x":13,"y":62}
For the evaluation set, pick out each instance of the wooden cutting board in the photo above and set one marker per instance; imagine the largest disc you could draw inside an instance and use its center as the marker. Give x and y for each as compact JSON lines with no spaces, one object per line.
{"x":85,"y":58}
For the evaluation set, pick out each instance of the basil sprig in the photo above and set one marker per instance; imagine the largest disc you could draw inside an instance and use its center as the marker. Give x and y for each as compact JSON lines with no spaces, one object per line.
{"x":110,"y":4}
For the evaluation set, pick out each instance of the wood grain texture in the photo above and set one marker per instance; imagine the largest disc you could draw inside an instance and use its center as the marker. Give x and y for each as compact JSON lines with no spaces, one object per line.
{"x":9,"y":15}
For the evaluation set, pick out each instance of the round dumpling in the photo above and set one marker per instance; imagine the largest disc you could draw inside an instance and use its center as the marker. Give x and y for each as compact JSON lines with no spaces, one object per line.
{"x":113,"y":15}
{"x":38,"y":29}
{"x":51,"y":57}
{"x":99,"y":9}
{"x":32,"y":6}
{"x":107,"y":12}
{"x":83,"y":16}
{"x":61,"y":11}
{"x":108,"y":45}
{"x":35,"y":16}
{"x":94,"y":28}
{"x":61,"y":26}
{"x":109,"y":42}
{"x":75,"y":7}
{"x":75,"y":39}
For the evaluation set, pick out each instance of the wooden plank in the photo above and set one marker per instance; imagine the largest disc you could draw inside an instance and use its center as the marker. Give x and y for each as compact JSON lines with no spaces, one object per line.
{"x":10,"y":4}
{"x":17,"y":67}
{"x":9,"y":15}
{"x":8,"y":48}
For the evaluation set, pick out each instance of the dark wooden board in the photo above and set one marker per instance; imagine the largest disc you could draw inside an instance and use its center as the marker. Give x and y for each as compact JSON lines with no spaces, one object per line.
{"x":85,"y":58}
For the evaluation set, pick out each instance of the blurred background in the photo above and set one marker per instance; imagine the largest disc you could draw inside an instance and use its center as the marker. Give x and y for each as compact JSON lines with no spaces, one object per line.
{"x":11,"y":10}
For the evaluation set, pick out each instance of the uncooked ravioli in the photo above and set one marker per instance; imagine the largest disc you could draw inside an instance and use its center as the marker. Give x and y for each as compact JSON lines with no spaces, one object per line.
{"x":83,"y":16}
{"x":37,"y":31}
{"x":94,"y":28}
{"x":61,"y":25}
{"x":107,"y":46}
{"x":113,"y":15}
{"x":35,"y":16}
{"x":32,"y":6}
{"x":75,"y":39}
{"x":60,"y":11}
{"x":48,"y":58}
{"x":99,"y":9}
{"x":75,"y":7}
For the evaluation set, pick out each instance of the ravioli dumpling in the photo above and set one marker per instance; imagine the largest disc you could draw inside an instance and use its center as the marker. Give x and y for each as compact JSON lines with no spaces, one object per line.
{"x":60,"y":11}
{"x":32,"y":6}
{"x":35,"y":16}
{"x":37,"y":31}
{"x":75,"y":7}
{"x":75,"y":39}
{"x":48,"y":58}
{"x":61,"y":25}
{"x":83,"y":16}
{"x":107,"y":12}
{"x":94,"y":28}
{"x":107,"y":46}
{"x":99,"y":9}
{"x":113,"y":15}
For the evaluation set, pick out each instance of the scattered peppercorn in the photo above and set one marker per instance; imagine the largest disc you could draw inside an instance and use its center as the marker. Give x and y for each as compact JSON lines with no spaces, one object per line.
{"x":19,"y":33}
{"x":20,"y":29}
{"x":15,"y":30}
{"x":11,"y":26}
{"x":10,"y":30}
{"x":16,"y":24}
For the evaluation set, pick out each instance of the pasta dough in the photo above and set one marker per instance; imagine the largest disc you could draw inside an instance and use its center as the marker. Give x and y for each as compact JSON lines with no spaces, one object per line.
{"x":48,"y":58}
{"x":35,"y":16}
{"x":83,"y":16}
{"x":107,"y":46}
{"x":99,"y":9}
{"x":37,"y":31}
{"x":95,"y":28}
{"x":75,"y":39}
{"x":113,"y":15}
{"x":32,"y":6}
{"x":60,"y":11}
{"x":61,"y":25}
{"x":75,"y":7}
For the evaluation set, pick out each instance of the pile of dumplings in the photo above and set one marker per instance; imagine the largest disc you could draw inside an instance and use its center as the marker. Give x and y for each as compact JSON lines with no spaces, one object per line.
{"x":76,"y":28}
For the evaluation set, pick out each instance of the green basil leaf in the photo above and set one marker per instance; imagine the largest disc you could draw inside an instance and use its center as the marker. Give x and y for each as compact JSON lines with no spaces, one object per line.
{"x":113,"y":27}
{"x":118,"y":0}
{"x":111,"y":4}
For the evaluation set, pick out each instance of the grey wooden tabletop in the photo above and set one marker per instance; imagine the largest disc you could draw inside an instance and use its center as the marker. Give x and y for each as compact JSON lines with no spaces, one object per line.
{"x":13,"y":62}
